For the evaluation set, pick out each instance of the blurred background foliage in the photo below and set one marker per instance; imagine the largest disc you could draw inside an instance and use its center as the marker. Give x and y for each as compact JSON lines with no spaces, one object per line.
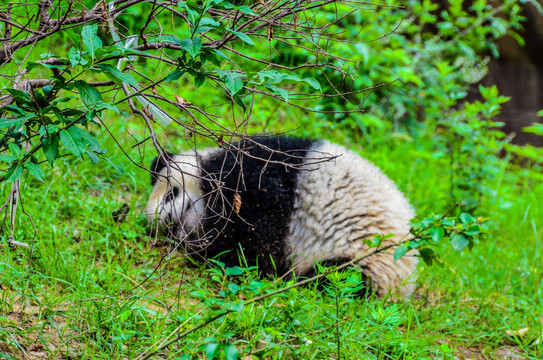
{"x":357,"y":73}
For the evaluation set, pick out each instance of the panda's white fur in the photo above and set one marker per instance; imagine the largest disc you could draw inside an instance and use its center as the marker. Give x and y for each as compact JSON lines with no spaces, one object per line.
{"x":189,"y":207}
{"x":334,"y":205}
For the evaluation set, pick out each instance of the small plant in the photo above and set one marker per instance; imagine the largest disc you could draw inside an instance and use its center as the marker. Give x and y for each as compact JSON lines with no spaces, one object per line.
{"x":474,"y":143}
{"x":430,"y":233}
{"x":342,"y":286}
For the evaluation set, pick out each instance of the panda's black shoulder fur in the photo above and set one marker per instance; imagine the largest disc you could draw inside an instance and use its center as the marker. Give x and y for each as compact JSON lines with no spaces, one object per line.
{"x":263,"y":173}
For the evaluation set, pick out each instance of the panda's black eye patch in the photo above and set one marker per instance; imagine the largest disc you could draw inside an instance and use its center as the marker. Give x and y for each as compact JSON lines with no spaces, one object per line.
{"x":172,"y":194}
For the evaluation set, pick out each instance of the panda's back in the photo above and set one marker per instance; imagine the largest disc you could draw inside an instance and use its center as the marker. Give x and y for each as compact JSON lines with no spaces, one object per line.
{"x":261,"y":175}
{"x":346,"y":201}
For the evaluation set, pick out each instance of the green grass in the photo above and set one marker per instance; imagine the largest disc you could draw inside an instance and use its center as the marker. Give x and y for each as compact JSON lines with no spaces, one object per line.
{"x":90,"y":288}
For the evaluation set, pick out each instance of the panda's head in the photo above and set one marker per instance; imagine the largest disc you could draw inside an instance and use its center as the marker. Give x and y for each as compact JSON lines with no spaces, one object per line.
{"x":175,"y":206}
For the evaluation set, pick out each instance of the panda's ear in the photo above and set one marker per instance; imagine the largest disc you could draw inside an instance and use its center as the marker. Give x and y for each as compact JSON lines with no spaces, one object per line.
{"x":158,"y":164}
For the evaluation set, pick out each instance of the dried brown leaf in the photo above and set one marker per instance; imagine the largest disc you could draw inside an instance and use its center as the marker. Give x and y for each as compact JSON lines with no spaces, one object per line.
{"x":237,"y":203}
{"x":519,"y":332}
{"x":270,"y":32}
{"x":148,"y":113}
{"x":182,"y":101}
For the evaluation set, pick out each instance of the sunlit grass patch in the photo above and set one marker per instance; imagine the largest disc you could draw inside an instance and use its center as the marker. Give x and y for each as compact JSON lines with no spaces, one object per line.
{"x":91,"y":287}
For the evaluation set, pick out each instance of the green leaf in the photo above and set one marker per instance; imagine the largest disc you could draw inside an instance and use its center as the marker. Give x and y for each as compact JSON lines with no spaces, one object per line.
{"x":445,"y":348}
{"x":209,"y":22}
{"x":50,"y":148}
{"x":7,"y":158}
{"x":459,"y":241}
{"x":237,"y":307}
{"x":206,"y":24}
{"x":74,"y":36}
{"x":221,"y":54}
{"x":473,"y":230}
{"x":103,"y":106}
{"x":231,"y":352}
{"x":88,"y":94}
{"x":192,"y":46}
{"x":239,"y":101}
{"x":277,"y":90}
{"x":244,"y":37}
{"x":193,"y":15}
{"x":91,"y":114}
{"x":427,"y":255}
{"x":92,"y":157}
{"x":236,"y":270}
{"x":536,"y":128}
{"x":91,"y":41}
{"x":31,"y":65}
{"x":174,"y":75}
{"x":246,"y":10}
{"x":167,"y":39}
{"x":117,"y":75}
{"x":313,"y":83}
{"x":14,"y":173}
{"x":233,"y":288}
{"x":14,"y":109}
{"x":275,"y":76}
{"x":20,"y":97}
{"x":34,"y":170}
{"x":426,"y":222}
{"x":115,"y":166}
{"x":128,"y":51}
{"x":400,"y":251}
{"x":76,"y":57}
{"x":84,"y":135}
{"x":124,"y":336}
{"x":46,"y":130}
{"x":466,"y":218}
{"x":436,"y":233}
{"x":232,"y":80}
{"x":106,"y":51}
{"x":198,"y":294}
{"x":415,"y":244}
{"x":199,"y":80}
{"x":183,"y":357}
{"x":18,"y":122}
{"x":211,"y":350}
{"x":97,"y":150}
{"x":81,"y":138}
{"x":71,"y":143}
{"x":15,"y":150}
{"x":376,"y":241}
{"x":72,"y":113}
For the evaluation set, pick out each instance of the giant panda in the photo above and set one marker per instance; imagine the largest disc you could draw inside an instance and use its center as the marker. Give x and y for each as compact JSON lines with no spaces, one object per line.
{"x":284,"y":203}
